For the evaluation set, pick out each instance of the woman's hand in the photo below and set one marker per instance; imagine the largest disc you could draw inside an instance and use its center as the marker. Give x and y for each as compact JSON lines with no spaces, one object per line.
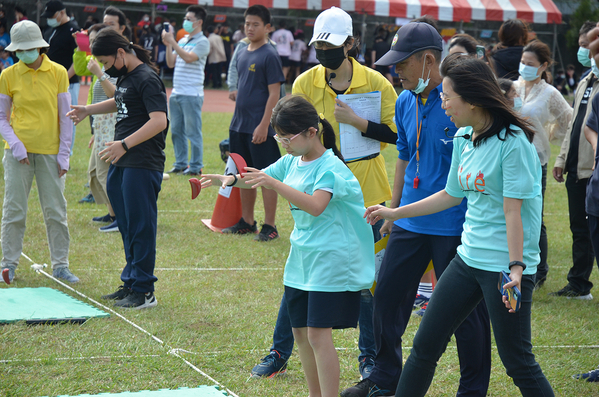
{"x":78,"y":113}
{"x":91,"y":142}
{"x":213,"y":179}
{"x":376,"y":212}
{"x":343,"y":113}
{"x":113,"y":152}
{"x":516,"y":277}
{"x":94,"y":67}
{"x":256,"y":178}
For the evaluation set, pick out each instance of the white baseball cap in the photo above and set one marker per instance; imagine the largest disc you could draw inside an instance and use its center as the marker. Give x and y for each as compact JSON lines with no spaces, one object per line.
{"x":333,"y":26}
{"x":26,"y":35}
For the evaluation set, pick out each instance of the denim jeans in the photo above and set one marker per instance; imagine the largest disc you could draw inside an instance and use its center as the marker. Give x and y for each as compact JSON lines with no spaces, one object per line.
{"x":74,"y":91}
{"x":186,"y":124}
{"x":458,"y":292}
{"x":282,"y":338}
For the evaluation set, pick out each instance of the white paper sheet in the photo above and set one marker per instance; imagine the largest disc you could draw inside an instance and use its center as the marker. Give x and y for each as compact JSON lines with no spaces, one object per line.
{"x":353,"y":144}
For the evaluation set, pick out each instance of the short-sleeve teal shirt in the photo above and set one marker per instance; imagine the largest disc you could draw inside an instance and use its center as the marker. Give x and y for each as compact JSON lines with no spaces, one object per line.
{"x":506,"y":165}
{"x":332,"y":252}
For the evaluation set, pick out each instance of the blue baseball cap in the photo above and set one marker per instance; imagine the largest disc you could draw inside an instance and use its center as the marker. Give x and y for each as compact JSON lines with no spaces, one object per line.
{"x":410,"y":39}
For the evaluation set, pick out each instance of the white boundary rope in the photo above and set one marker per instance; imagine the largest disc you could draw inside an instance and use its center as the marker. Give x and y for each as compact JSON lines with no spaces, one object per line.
{"x":175,"y":352}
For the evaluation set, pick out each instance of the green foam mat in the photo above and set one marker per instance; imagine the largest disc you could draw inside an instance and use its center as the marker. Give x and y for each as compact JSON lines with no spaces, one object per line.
{"x":43,"y":305}
{"x":201,"y":391}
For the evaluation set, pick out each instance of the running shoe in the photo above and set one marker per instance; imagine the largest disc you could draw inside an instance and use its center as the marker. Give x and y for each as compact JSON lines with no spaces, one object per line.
{"x":569,"y":292}
{"x":267,"y":233}
{"x":137,"y":300}
{"x":270,"y":366}
{"x":241,"y":227}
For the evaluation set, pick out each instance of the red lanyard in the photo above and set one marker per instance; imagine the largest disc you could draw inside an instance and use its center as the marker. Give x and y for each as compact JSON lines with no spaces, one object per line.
{"x":418,"y":130}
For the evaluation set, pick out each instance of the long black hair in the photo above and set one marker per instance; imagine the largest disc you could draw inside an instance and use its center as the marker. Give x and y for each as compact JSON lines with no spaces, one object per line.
{"x":473,"y":80}
{"x":108,"y":41}
{"x":294,"y":114}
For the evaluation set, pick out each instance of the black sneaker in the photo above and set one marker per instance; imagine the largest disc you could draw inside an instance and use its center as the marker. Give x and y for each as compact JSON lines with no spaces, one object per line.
{"x":270,"y":366}
{"x":591,"y":376}
{"x":267,"y":233}
{"x":137,"y":300}
{"x":365,"y":388}
{"x":120,"y":293}
{"x":571,"y":293}
{"x":104,"y":219}
{"x":241,"y":227}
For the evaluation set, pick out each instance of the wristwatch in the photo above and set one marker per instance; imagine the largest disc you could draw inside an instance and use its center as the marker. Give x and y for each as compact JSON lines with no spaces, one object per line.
{"x":104,"y":77}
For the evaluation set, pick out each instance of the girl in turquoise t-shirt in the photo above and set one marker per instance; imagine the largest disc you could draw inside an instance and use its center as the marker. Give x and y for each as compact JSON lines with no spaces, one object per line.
{"x":332,"y":249}
{"x":496,"y":167}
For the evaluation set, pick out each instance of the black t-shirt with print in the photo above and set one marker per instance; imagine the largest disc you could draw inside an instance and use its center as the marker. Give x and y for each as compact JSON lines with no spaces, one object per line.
{"x":62,"y":45}
{"x":139,"y":93}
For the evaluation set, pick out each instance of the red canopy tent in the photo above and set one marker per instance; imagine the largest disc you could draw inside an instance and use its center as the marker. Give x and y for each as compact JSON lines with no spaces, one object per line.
{"x":534,"y":11}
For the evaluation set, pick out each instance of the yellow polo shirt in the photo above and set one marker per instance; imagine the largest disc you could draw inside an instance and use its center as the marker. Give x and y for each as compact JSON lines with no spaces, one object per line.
{"x":34,"y":93}
{"x":371,"y":174}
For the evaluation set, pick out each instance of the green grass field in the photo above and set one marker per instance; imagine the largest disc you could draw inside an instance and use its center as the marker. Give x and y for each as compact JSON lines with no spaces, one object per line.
{"x":218,"y":300}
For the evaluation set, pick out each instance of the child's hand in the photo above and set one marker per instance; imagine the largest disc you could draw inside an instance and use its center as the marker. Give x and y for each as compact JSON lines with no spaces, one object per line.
{"x":256,"y":178}
{"x":213,"y":179}
{"x":260,"y":134}
{"x":376,"y":212}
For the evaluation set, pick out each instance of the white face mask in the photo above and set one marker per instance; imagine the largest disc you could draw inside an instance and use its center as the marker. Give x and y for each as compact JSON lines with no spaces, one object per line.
{"x":421,"y":83}
{"x":517,"y":103}
{"x":594,"y":67}
{"x":52,"y":22}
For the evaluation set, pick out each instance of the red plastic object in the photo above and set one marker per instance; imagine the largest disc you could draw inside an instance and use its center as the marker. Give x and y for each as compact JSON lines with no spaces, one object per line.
{"x":239,"y":163}
{"x":196,"y":187}
{"x":5,"y":276}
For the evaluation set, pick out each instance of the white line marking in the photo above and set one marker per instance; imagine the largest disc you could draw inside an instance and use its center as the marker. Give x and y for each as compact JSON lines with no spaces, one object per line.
{"x":173,"y":351}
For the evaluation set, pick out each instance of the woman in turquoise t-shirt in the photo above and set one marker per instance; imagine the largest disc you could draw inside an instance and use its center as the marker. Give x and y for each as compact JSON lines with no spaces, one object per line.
{"x":496,"y":167}
{"x":331,"y":245}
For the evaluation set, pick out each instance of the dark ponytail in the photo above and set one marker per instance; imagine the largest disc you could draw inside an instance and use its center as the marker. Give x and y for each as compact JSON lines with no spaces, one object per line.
{"x":294,"y":114}
{"x":329,"y":139}
{"x":108,"y":41}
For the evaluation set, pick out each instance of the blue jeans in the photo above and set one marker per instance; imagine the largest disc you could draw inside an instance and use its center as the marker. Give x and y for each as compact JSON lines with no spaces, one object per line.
{"x":186,"y":124}
{"x":459,"y":291}
{"x":282,"y":338}
{"x":74,"y":91}
{"x":133,"y":193}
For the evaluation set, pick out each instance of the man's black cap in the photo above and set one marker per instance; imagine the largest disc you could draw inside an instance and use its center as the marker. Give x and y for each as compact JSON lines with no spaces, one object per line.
{"x":52,"y":7}
{"x":410,"y":39}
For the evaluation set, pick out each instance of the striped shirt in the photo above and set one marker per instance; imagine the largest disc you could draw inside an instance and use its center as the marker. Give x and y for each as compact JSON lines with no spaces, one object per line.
{"x":188,"y":78}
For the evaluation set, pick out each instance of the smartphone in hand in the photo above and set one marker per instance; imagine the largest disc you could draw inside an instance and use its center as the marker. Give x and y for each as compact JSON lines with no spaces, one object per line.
{"x":513,"y":294}
{"x":83,"y":42}
{"x":166,"y":26}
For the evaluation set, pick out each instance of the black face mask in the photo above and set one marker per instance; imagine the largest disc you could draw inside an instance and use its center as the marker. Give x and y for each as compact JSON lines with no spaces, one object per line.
{"x":331,"y":59}
{"x":114,"y":72}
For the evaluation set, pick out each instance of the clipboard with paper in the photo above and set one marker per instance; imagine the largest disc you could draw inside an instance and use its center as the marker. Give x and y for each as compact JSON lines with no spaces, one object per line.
{"x":353,"y":144}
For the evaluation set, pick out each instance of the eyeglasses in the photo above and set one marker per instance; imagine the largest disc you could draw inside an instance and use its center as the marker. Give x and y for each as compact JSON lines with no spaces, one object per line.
{"x":320,"y":45}
{"x":286,"y":141}
{"x":445,"y":98}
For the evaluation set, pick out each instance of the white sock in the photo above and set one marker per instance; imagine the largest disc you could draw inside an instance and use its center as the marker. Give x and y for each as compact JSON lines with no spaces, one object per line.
{"x":425,"y":289}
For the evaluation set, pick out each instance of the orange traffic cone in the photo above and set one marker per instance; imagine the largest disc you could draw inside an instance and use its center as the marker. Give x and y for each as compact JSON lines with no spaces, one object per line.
{"x":227,"y":211}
